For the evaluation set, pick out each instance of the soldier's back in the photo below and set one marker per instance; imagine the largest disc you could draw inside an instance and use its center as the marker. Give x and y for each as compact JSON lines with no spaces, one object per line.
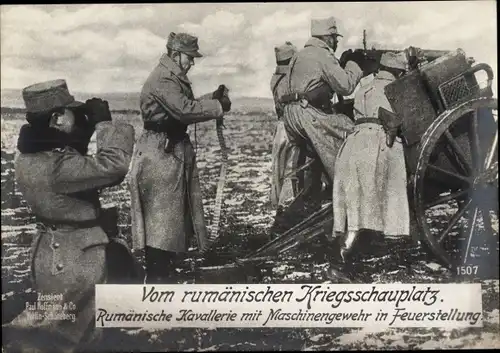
{"x":308,"y":68}
{"x":36,"y":176}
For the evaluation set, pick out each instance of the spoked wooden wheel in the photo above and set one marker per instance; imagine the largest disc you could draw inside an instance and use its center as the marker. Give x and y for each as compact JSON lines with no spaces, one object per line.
{"x":456,"y":184}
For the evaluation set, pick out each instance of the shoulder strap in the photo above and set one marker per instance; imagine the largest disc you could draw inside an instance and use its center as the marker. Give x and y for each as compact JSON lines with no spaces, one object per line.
{"x":278,"y":81}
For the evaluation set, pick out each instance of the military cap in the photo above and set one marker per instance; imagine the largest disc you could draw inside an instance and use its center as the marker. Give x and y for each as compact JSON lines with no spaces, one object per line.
{"x":49,"y":95}
{"x":171,"y":37}
{"x":185,"y":43}
{"x":396,"y":61}
{"x":324,"y":27}
{"x":285,"y":51}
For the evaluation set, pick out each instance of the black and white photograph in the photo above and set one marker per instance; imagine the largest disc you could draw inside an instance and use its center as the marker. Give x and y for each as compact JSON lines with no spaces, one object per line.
{"x":272,"y":144}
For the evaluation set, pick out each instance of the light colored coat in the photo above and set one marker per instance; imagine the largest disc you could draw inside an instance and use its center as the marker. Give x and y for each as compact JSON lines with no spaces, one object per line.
{"x":313,"y":66}
{"x":166,"y":199}
{"x":284,"y":154}
{"x":62,"y":185}
{"x":370,"y":186}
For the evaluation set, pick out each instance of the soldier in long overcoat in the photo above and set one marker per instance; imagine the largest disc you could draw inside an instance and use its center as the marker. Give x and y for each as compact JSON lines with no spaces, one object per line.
{"x":61,"y":186}
{"x":284,"y":154}
{"x":369,"y":191}
{"x":166,"y":197}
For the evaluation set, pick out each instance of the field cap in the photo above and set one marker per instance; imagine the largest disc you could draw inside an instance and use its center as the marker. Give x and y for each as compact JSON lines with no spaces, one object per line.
{"x":285,"y":51}
{"x":324,"y":27}
{"x":185,"y":43}
{"x":171,"y":37}
{"x":49,"y":95}
{"x":396,"y":61}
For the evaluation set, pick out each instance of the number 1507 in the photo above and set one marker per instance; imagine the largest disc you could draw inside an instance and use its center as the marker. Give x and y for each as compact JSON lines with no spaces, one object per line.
{"x":467,"y":270}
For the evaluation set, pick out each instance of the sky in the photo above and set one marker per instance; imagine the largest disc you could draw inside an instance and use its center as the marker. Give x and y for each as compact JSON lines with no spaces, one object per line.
{"x":113,"y":47}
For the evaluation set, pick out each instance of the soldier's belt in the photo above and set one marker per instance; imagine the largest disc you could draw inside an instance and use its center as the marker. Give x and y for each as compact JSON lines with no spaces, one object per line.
{"x":292,"y":97}
{"x":174,"y":135}
{"x":319,"y":102}
{"x":368,"y":120}
{"x":55,"y":224}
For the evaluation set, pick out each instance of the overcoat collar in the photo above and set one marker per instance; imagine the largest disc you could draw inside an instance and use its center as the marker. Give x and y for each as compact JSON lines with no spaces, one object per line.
{"x":171,"y":66}
{"x":385,"y":75}
{"x":281,"y":69}
{"x":318,"y":43}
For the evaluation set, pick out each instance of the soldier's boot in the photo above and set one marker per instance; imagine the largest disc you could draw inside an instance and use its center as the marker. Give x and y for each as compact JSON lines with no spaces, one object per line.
{"x":343,"y":269}
{"x":159,"y":266}
{"x":346,"y":252}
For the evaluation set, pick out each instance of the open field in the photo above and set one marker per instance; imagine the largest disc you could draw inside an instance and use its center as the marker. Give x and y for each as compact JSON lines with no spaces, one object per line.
{"x":246,"y":216}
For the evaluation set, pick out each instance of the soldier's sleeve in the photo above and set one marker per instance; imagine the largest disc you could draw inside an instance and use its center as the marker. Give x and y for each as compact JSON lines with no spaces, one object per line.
{"x":169,"y":95}
{"x":206,"y":96}
{"x":342,"y":81}
{"x":73,"y":172}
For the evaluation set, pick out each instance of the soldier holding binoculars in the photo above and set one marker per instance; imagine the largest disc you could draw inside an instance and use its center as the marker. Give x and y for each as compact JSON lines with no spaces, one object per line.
{"x":61,"y":184}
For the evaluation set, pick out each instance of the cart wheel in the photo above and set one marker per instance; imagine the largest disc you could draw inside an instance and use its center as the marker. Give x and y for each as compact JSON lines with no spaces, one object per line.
{"x":456,"y":184}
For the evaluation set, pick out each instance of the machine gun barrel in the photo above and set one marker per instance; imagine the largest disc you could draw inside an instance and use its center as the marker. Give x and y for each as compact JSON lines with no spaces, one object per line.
{"x":415,"y":55}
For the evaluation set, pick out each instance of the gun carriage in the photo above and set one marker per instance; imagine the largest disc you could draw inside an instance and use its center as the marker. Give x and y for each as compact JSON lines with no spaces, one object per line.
{"x":450,"y":133}
{"x":449,"y":127}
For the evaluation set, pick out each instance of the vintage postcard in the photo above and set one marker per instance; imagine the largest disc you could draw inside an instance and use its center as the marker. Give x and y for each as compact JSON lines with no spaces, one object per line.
{"x":254,"y":176}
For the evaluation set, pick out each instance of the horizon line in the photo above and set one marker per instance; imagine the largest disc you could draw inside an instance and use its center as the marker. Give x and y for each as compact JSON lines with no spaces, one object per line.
{"x":126,"y":92}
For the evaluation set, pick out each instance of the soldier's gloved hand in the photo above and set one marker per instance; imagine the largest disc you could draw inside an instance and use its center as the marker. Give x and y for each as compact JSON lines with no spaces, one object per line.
{"x":219,"y":92}
{"x":226,"y":103}
{"x":97,"y":110}
{"x":345,"y":57}
{"x":391,"y":136}
{"x":357,"y":57}
{"x":366,"y":64}
{"x":371,"y":66}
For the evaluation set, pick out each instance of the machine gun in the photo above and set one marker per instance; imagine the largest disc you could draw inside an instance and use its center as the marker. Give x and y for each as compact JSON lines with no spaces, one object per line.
{"x":416,"y":56}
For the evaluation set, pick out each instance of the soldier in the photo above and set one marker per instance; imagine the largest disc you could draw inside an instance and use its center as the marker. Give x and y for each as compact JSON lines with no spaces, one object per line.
{"x":284,"y":154}
{"x":370,"y":184}
{"x":312,"y":122}
{"x":166,"y":198}
{"x":61,"y":185}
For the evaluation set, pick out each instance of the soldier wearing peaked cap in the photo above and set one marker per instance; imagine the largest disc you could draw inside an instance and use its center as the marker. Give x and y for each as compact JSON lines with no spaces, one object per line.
{"x":311,"y":123}
{"x":166,"y":199}
{"x":284,"y":154}
{"x":370,"y":174}
{"x":61,"y":184}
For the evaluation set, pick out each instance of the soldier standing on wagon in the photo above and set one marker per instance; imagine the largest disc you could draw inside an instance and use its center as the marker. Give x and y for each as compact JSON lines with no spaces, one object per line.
{"x":311,"y":123}
{"x":166,"y":200}
{"x":60,"y":184}
{"x":284,"y":154}
{"x":369,"y":191}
